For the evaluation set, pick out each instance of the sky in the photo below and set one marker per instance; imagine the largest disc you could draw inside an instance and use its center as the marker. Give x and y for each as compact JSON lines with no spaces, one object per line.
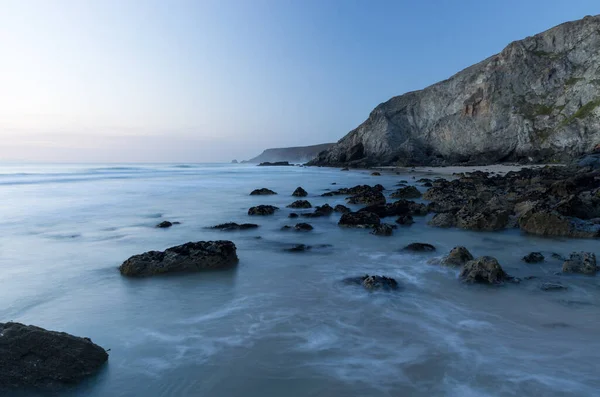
{"x":211,"y":81}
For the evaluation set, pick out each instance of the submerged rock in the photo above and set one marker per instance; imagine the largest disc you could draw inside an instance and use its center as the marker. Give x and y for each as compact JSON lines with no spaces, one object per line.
{"x":373,"y":283}
{"x":323,"y":210}
{"x":304,"y":227}
{"x":293,"y":215}
{"x":359,"y":219}
{"x":407,"y":192}
{"x":405,"y":220}
{"x":234,"y":226}
{"x":534,"y":257}
{"x":34,"y":357}
{"x":457,"y":257}
{"x":189,"y":257}
{"x":552,"y":287}
{"x":300,"y":204}
{"x":375,"y":174}
{"x":299,"y":192}
{"x":262,"y":192}
{"x":419,"y":247}
{"x":262,"y":210}
{"x":342,"y":209}
{"x":484,"y":269}
{"x":581,"y":262}
{"x":383,"y":229}
{"x":164,"y":225}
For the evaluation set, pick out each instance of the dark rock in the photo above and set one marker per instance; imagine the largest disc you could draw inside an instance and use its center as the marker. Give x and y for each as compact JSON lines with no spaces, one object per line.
{"x":262,"y":192}
{"x":342,"y":209}
{"x":190,"y":257}
{"x":457,"y":257}
{"x":234,"y":226}
{"x":371,"y":197}
{"x":483,"y":221}
{"x":375,"y":174}
{"x":419,"y":247}
{"x":484,"y":269}
{"x":300,"y":204}
{"x":323,"y":210}
{"x":558,"y":256}
{"x":299,"y":248}
{"x":359,"y":219}
{"x":303,"y":227}
{"x":552,"y":287}
{"x":345,"y":169}
{"x":405,"y":220}
{"x":275,"y":163}
{"x":581,"y":262}
{"x":444,"y":219}
{"x":262,"y":210}
{"x":424,"y":180}
{"x":234,"y":162}
{"x":293,"y":215}
{"x":551,"y":223}
{"x":164,"y":225}
{"x":373,"y":283}
{"x":534,"y":257}
{"x":427,"y":184}
{"x":32,"y":357}
{"x":383,"y":229}
{"x":407,"y":192}
{"x":299,"y":192}
{"x":286,"y":227}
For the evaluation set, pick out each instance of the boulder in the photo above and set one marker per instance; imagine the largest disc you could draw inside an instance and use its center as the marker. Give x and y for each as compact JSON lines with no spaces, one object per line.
{"x":419,"y":247}
{"x":405,"y":220}
{"x":189,"y":257}
{"x":457,"y":257}
{"x":489,"y":220}
{"x":407,"y":192}
{"x":581,"y":262}
{"x":234,"y":226}
{"x":323,"y":210}
{"x":262,"y":210}
{"x":359,"y":219}
{"x":552,"y":287}
{"x":275,"y":163}
{"x":32,"y":357}
{"x":484,"y":269}
{"x":373,"y":283}
{"x":534,"y":257}
{"x":371,"y":197}
{"x":375,"y":174}
{"x":262,"y":192}
{"x":444,"y":220}
{"x":383,"y":229}
{"x":342,"y":209}
{"x":304,"y":227}
{"x":164,"y":225}
{"x":299,"y":192}
{"x":551,"y":223}
{"x":300,"y":204}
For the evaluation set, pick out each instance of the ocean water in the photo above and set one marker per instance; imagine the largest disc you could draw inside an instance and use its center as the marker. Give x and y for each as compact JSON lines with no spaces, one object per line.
{"x":280,"y":323}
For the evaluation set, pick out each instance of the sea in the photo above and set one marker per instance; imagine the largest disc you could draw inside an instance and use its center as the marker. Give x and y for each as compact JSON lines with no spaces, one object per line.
{"x":282,"y":323}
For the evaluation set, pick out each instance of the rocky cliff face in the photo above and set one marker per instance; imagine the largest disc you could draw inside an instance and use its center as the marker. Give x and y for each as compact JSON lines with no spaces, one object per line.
{"x":299,"y":154}
{"x":536,"y":101}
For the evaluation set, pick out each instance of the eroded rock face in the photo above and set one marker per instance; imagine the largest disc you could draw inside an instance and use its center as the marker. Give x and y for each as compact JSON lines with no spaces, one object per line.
{"x":484,"y":269}
{"x":359,"y":219}
{"x":457,"y":257}
{"x":34,"y":357}
{"x":534,"y":102}
{"x":299,"y":192}
{"x":373,"y":283}
{"x":190,"y":257}
{"x":262,"y":192}
{"x":581,"y":262}
{"x":551,"y":223}
{"x":300,"y":204}
{"x":262,"y":210}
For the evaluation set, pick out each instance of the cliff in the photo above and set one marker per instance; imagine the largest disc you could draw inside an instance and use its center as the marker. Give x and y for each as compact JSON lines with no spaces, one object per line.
{"x":299,"y":154}
{"x":536,"y":101}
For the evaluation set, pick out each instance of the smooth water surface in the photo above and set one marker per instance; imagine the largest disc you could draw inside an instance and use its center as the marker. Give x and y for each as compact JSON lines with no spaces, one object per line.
{"x":282,"y":324}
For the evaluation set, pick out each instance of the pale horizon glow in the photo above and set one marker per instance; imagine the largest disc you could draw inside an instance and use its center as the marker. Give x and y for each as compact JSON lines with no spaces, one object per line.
{"x":205,"y":81}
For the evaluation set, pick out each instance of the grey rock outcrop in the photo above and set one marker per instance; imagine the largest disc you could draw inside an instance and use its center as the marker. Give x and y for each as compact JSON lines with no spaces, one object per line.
{"x":34,"y":357}
{"x":190,"y":257}
{"x":484,"y":269}
{"x":581,"y":262}
{"x":538,"y":100}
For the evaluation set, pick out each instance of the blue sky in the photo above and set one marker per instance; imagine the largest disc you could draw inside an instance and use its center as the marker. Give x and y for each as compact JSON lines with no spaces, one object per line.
{"x":215,"y":80}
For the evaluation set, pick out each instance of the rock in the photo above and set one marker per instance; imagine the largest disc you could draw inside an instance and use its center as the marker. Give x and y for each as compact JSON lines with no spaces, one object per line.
{"x":558,"y":256}
{"x":345,"y":169}
{"x":354,"y":191}
{"x":299,"y":192}
{"x":189,"y":257}
{"x":405,"y":220}
{"x":383,"y":229}
{"x":552,"y":287}
{"x":297,"y":154}
{"x":444,"y":219}
{"x":293,"y":215}
{"x":342,"y":209}
{"x":359,"y":219}
{"x":305,"y":227}
{"x":164,"y":225}
{"x":275,"y":164}
{"x":375,"y":174}
{"x":591,"y":160}
{"x":407,"y":192}
{"x":371,"y":197}
{"x":534,"y":257}
{"x":484,"y":269}
{"x":286,"y":227}
{"x":323,"y":210}
{"x":32,"y":357}
{"x":262,"y":192}
{"x":373,"y":283}
{"x":397,"y":208}
{"x":300,"y":204}
{"x":424,"y":180}
{"x":457,"y":257}
{"x":234,"y":162}
{"x":551,"y":223}
{"x":234,"y":226}
{"x":489,"y":220}
{"x":262,"y":210}
{"x":419,"y":247}
{"x":427,"y":184}
{"x":497,"y":110}
{"x":581,"y":262}
{"x":298,"y":248}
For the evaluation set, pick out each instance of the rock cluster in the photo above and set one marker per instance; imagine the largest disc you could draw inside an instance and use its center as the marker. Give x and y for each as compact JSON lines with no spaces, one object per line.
{"x":262,"y":210}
